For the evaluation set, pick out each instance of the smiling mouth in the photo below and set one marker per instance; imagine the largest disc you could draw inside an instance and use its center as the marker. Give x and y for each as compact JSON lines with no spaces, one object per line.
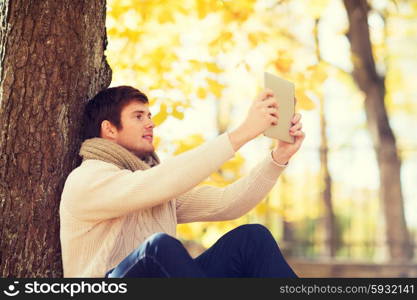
{"x":149,"y":138}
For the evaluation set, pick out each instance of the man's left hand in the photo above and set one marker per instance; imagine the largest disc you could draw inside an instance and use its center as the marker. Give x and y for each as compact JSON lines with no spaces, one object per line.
{"x":284,"y":151}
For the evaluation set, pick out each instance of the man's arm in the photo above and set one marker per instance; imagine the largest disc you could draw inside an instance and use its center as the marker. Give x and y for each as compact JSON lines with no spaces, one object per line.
{"x":209,"y":203}
{"x":100,"y":190}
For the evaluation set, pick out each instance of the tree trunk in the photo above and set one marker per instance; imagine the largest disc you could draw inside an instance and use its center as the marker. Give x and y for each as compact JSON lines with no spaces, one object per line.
{"x":330,"y":225}
{"x":389,"y":163}
{"x":329,"y":218}
{"x":288,"y":242}
{"x":52,"y":60}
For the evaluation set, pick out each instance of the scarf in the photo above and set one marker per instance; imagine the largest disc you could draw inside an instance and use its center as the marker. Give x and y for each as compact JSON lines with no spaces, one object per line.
{"x":111,"y":152}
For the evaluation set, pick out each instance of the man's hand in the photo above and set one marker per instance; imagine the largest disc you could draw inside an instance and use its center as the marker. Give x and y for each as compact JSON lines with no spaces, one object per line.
{"x":262,"y":114}
{"x":284,"y":151}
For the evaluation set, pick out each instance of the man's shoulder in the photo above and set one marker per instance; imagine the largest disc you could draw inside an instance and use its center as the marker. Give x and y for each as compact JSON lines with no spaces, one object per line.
{"x":90,"y":169}
{"x":83,"y":177}
{"x":94,"y":164}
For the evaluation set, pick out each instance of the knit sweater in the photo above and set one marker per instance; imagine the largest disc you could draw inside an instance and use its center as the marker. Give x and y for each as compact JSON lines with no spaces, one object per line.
{"x":107,"y":212}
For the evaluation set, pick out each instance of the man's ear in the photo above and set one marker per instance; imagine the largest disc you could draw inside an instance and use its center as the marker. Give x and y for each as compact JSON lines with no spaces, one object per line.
{"x":108,"y":130}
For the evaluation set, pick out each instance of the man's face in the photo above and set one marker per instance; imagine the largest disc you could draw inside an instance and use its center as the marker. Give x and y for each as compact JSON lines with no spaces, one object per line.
{"x":136,"y":133}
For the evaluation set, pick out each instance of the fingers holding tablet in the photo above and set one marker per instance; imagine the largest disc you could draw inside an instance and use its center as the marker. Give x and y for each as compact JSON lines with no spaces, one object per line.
{"x":264,"y":95}
{"x":296,"y":118}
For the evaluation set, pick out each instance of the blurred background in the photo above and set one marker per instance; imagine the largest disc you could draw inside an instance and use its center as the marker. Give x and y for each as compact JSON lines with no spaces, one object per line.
{"x":346,"y":205}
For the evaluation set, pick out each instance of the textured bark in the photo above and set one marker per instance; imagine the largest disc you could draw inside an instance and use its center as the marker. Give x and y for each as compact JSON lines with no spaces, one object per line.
{"x":52,"y":60}
{"x":389,"y":163}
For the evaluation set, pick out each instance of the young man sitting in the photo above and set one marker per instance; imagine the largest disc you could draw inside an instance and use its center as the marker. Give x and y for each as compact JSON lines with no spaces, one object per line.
{"x":120,"y":207}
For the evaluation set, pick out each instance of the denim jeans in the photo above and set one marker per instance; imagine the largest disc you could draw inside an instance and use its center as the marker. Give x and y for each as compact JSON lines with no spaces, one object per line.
{"x":246,"y":251}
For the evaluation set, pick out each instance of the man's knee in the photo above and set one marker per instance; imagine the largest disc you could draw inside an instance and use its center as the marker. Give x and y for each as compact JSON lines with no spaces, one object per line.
{"x":255,"y":232}
{"x":160,"y":242}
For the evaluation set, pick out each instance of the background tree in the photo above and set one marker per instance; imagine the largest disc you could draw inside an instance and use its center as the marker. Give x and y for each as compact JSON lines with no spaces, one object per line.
{"x":331,"y":236}
{"x":373,"y":86}
{"x":52,"y":60}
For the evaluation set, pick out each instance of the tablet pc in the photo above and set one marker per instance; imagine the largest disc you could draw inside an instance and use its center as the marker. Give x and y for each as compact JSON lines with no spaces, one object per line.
{"x":284,"y":91}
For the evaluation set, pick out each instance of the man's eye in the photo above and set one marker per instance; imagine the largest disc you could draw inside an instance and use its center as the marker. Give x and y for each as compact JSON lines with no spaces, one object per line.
{"x":139,"y":117}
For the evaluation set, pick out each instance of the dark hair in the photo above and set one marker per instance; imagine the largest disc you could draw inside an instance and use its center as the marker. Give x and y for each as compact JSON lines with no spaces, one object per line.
{"x":108,"y":105}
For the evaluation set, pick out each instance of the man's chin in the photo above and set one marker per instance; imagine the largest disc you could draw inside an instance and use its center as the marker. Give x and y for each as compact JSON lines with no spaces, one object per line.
{"x":144,"y":152}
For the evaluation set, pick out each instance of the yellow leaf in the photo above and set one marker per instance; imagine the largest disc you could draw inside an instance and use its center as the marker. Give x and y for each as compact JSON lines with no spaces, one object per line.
{"x":161,"y":116}
{"x":261,"y":208}
{"x":195,"y":64}
{"x":186,"y":231}
{"x":112,"y":31}
{"x":201,"y":9}
{"x":319,"y":73}
{"x":284,"y":62}
{"x":238,"y":10}
{"x":201,"y":93}
{"x":215,"y":87}
{"x":188,"y":143}
{"x":212,"y":67}
{"x":221,"y":40}
{"x":165,"y":16}
{"x":178,"y":114}
{"x":226,"y":36}
{"x":161,"y":58}
{"x":257,"y":37}
{"x":234,"y":164}
{"x":253,"y":39}
{"x":217,"y":177}
{"x":303,"y":101}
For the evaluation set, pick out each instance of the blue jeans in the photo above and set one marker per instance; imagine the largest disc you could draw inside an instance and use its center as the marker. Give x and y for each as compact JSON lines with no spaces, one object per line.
{"x":246,"y":251}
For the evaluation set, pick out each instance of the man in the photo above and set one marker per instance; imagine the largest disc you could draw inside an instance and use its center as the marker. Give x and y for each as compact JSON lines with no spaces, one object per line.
{"x":120,"y":207}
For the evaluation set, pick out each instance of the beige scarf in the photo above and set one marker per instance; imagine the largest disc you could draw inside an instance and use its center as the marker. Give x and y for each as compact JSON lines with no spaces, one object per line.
{"x":111,"y":152}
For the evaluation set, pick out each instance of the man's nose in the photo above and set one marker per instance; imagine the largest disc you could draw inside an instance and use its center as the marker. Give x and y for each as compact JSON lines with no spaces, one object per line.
{"x":150,"y":123}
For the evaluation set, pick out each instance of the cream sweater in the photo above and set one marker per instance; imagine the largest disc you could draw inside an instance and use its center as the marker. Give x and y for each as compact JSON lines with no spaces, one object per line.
{"x":106,"y":212}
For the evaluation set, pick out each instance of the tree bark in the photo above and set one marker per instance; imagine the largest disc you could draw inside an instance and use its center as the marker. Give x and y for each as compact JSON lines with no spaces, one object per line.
{"x":288,"y":242}
{"x":373,"y":86}
{"x":52,"y":60}
{"x":330,"y":224}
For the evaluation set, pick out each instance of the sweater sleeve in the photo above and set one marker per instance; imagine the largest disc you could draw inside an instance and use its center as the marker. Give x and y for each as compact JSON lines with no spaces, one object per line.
{"x":99,"y":190}
{"x":209,"y":203}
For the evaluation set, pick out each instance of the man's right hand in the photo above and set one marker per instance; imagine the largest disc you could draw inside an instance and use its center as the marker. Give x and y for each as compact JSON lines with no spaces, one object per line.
{"x":262,"y":114}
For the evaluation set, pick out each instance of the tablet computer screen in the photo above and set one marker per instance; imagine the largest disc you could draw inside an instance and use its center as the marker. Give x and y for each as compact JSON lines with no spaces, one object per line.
{"x":284,"y":91}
